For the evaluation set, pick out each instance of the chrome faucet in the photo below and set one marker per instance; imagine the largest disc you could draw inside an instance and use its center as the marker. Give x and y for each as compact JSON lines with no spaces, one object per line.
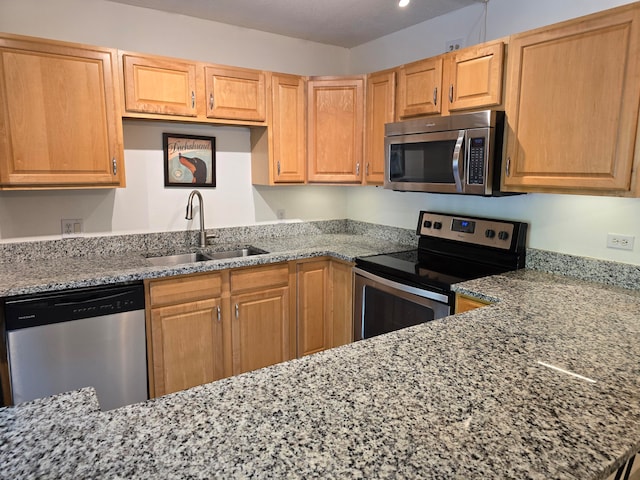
{"x":189,"y":216}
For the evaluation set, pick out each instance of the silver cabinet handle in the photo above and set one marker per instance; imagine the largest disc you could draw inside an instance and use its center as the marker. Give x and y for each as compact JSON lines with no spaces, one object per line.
{"x":358,"y":169}
{"x":211,"y":104}
{"x":278,"y":167}
{"x":366,"y":172}
{"x":114,"y":165}
{"x":435,"y":96}
{"x":455,"y":161}
{"x":219,"y":314}
{"x":193,"y":99}
{"x":451,"y":93}
{"x":237,"y":311}
{"x":507,"y":168}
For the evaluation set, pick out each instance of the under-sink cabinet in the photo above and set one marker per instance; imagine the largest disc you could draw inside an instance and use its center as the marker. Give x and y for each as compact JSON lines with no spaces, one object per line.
{"x":187,"y":321}
{"x":59,"y":115}
{"x":263,"y":317}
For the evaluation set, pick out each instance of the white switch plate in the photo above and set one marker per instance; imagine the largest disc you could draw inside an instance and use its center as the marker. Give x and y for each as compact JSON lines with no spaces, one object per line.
{"x":622,"y":242}
{"x":71,"y":227}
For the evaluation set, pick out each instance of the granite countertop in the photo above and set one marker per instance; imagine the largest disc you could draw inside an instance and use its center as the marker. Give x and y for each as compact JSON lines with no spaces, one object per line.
{"x":43,"y":274}
{"x":468,"y":396}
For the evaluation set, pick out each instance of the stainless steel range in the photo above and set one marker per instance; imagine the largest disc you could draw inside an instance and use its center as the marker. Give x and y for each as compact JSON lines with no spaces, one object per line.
{"x":398,"y":290}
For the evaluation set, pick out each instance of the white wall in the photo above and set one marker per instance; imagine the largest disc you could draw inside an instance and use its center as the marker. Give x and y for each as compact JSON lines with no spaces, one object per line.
{"x":145,"y":205}
{"x":563,"y":223}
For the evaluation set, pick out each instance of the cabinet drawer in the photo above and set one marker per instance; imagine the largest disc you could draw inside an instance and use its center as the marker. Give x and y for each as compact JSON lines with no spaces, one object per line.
{"x":259,"y":277}
{"x":184,"y":289}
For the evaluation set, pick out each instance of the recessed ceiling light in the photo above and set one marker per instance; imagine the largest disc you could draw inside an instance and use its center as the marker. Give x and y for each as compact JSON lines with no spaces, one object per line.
{"x":403,"y":3}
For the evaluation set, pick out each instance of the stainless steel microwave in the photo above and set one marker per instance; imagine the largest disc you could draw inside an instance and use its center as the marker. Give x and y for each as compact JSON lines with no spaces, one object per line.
{"x":450,"y":154}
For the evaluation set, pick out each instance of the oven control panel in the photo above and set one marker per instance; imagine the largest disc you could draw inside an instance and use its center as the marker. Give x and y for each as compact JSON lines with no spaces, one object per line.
{"x":478,"y":231}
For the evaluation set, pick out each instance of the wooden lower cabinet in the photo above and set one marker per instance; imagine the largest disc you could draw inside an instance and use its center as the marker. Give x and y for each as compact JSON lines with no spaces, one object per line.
{"x":324,"y":305}
{"x":187,"y":329}
{"x":263,"y":317}
{"x":465,"y":303}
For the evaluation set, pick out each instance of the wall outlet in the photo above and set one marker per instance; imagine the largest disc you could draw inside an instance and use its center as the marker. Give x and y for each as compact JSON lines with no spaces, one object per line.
{"x":623,"y":242}
{"x":452,"y":45}
{"x":280,"y":213}
{"x":71,"y":227}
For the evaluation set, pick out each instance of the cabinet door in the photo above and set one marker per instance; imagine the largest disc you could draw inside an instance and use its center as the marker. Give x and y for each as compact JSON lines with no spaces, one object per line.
{"x":342,"y":302}
{"x":153,"y":85}
{"x":59,"y":115}
{"x":420,"y":88}
{"x":336,"y":121}
{"x":475,"y":77}
{"x":187,"y":345}
{"x":235,"y":93}
{"x":572,"y":105}
{"x":260,"y":329}
{"x":380,"y":107}
{"x":315,"y":326}
{"x":288,"y":128}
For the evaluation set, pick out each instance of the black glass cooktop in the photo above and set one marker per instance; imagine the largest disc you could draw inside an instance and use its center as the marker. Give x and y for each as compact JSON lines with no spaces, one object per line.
{"x":426,"y":269}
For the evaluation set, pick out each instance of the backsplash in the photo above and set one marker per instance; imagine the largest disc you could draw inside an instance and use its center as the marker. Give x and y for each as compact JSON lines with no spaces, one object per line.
{"x":584,"y":268}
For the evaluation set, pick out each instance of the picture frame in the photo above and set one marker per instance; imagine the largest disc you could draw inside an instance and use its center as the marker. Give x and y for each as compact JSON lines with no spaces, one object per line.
{"x":189,"y":160}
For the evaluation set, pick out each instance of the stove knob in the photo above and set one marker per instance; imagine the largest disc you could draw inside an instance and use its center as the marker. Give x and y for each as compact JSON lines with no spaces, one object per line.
{"x":427,"y":224}
{"x":490,"y":233}
{"x":503,"y":235}
{"x":437,"y":225}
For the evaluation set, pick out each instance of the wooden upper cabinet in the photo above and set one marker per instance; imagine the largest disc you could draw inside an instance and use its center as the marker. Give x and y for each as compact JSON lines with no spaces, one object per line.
{"x":336,"y":129}
{"x":474,"y":77}
{"x":278,"y":152}
{"x":235,"y":93}
{"x":380,"y":109}
{"x":59,"y":115}
{"x":573,"y":95}
{"x":162,"y":86}
{"x":419,"y":88}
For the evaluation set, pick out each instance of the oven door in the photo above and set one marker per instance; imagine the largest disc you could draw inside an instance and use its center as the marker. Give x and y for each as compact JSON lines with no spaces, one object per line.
{"x":382,"y":305}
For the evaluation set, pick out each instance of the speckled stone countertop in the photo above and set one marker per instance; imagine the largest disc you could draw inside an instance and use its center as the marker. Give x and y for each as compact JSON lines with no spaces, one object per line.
{"x":99,"y":267}
{"x":468,"y":396}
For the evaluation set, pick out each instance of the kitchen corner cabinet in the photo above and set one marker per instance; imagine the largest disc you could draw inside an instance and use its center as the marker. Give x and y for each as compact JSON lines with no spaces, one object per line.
{"x":263,"y":317}
{"x":278,"y":152}
{"x":59,"y":115}
{"x":324,"y":305}
{"x":572,"y":104}
{"x":186,"y":332}
{"x":465,"y":303}
{"x":335,"y":129}
{"x":380,"y":109}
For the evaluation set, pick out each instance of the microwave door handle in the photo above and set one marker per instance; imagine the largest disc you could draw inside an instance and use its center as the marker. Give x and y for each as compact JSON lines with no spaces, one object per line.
{"x":455,"y":161}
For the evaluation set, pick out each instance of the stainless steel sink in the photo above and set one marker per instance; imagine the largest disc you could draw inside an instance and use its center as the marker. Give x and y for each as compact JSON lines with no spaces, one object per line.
{"x":193,"y":257}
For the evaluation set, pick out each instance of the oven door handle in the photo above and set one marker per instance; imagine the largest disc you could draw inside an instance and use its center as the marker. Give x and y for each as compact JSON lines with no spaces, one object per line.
{"x":438,"y":297}
{"x":455,"y":161}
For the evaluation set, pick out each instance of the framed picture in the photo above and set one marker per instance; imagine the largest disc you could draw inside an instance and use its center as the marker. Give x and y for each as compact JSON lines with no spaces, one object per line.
{"x":189,"y":160}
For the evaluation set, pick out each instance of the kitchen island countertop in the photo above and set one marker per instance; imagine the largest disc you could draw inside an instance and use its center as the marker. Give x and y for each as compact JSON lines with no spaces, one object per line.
{"x":468,"y":396}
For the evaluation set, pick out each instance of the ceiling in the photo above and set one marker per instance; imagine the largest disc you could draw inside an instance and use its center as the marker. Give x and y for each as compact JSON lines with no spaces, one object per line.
{"x":345,"y":23}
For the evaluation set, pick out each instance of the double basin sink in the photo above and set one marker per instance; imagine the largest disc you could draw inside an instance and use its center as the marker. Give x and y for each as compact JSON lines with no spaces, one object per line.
{"x":202,"y":256}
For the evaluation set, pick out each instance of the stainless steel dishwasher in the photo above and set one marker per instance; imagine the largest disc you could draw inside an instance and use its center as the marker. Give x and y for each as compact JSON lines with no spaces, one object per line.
{"x":62,"y":341}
